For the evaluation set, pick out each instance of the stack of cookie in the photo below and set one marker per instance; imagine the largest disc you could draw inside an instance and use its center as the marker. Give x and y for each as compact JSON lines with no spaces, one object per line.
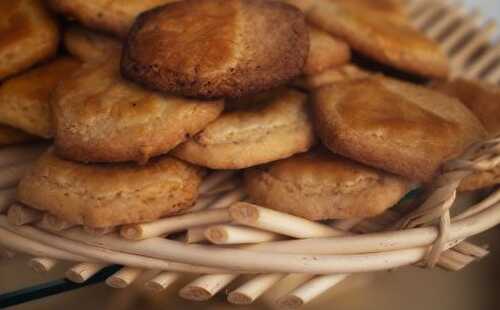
{"x":306,"y":96}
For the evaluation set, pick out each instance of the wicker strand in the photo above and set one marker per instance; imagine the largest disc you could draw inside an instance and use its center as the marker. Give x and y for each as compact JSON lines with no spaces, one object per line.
{"x":83,"y":271}
{"x":42,"y":264}
{"x":124,"y":277}
{"x":7,"y":198}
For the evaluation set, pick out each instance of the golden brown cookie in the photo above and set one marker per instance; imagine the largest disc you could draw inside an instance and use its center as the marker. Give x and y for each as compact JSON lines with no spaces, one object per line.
{"x":303,"y":5}
{"x":391,"y":8}
{"x":269,"y":129}
{"x":100,"y":117}
{"x":400,"y":127}
{"x":89,"y":45}
{"x":28,"y":34}
{"x":109,"y":194}
{"x":484,"y":101}
{"x":112,"y":16}
{"x":325,"y":52}
{"x":336,"y":74}
{"x":9,"y":136}
{"x":216,"y":48}
{"x":25,"y":99}
{"x":319,"y":185}
{"x":390,"y":41}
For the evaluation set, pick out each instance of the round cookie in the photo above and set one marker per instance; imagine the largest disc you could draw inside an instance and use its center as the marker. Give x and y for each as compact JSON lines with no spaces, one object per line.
{"x":262,"y":130}
{"x":325,"y":52}
{"x":88,"y":45}
{"x":329,"y":76}
{"x":109,"y":194}
{"x":216,"y":48}
{"x":400,"y":127}
{"x":377,"y":35}
{"x":114,"y":17}
{"x":9,"y":136}
{"x":484,"y":101}
{"x":28,"y":34}
{"x":25,"y":98}
{"x":100,"y":117}
{"x":319,"y":186}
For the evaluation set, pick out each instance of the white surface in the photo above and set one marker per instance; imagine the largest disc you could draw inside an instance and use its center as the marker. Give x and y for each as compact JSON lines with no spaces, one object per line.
{"x":490,"y":8}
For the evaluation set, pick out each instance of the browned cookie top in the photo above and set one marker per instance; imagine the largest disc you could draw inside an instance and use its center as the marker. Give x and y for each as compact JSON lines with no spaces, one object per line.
{"x":216,"y":48}
{"x":402,"y":128}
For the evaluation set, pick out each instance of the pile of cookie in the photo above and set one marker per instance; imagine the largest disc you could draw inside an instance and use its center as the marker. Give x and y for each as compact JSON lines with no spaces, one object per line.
{"x":323,"y":105}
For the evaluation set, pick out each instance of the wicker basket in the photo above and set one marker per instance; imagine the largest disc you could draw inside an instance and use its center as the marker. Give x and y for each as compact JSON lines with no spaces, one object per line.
{"x":326,"y":253}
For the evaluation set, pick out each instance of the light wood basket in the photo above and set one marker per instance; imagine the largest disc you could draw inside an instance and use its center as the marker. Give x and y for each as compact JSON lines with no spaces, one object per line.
{"x":237,"y":238}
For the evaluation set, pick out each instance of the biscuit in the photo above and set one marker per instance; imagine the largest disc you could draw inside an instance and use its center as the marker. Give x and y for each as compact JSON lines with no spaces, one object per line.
{"x":216,"y":48}
{"x":396,"y":126}
{"x":319,"y":186}
{"x":325,"y":52}
{"x":25,"y":98}
{"x":278,"y":127}
{"x":481,"y":98}
{"x":484,"y":101}
{"x":28,"y":34}
{"x":372,"y":33}
{"x":391,"y":8}
{"x":336,"y":74}
{"x":9,"y":136}
{"x":107,"y":195}
{"x":88,"y":45}
{"x":100,"y":117}
{"x":111,"y":16}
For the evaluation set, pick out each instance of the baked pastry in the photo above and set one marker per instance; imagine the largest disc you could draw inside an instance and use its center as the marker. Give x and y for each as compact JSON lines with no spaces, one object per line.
{"x":325,"y":52}
{"x":89,"y":45}
{"x":484,"y":101}
{"x":261,"y":130}
{"x":391,"y":41}
{"x":391,"y":8}
{"x":329,"y":76}
{"x":400,"y":127}
{"x":25,"y":99}
{"x":9,"y":136}
{"x":216,"y":48}
{"x":319,"y":186}
{"x":100,"y":117}
{"x":112,"y":16}
{"x":28,"y":34}
{"x":109,"y":194}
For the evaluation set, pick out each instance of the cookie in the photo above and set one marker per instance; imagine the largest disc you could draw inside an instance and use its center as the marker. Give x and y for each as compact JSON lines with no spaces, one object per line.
{"x":481,"y":98}
{"x":28,"y":35}
{"x":396,"y":126}
{"x":390,"y":41}
{"x":303,"y":5}
{"x":484,"y":101}
{"x":88,"y":45}
{"x":109,"y":194}
{"x":329,"y":76}
{"x":111,"y":16}
{"x":319,"y":186}
{"x":25,"y":98}
{"x":257,"y":132}
{"x":100,"y":117}
{"x":216,"y":48}
{"x":391,"y":8}
{"x":9,"y":136}
{"x":325,"y":52}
